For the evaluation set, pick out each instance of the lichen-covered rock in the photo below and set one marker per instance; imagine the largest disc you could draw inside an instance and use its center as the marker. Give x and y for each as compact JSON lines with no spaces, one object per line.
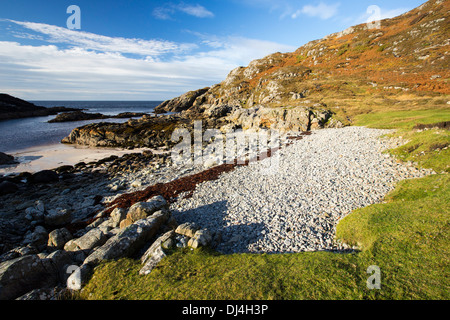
{"x":38,"y":238}
{"x":57,"y":217}
{"x":90,"y":240}
{"x":201,"y":238}
{"x":130,"y":239}
{"x":157,"y":255}
{"x":20,"y":275}
{"x":158,"y":243}
{"x":187,"y":229}
{"x":142,"y":210}
{"x":58,"y":238}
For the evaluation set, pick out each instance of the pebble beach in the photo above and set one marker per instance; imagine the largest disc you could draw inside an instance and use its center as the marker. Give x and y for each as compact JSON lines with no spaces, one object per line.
{"x":320,"y":179}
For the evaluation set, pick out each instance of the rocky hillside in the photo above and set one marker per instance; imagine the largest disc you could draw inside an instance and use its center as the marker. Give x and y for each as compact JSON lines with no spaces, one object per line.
{"x":401,"y":65}
{"x":407,"y":55}
{"x":13,"y":108}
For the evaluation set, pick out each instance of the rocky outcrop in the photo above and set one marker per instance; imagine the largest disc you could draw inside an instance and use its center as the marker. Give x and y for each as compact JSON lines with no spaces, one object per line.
{"x":129,"y":240}
{"x":14,"y":108}
{"x":87,"y":242}
{"x":77,"y":116}
{"x":281,"y":119}
{"x":58,"y":238}
{"x":180,"y":103}
{"x":152,"y":132}
{"x":82,"y":116}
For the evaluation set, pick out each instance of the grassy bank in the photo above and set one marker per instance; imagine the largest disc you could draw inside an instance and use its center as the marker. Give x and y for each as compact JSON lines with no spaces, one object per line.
{"x":406,"y":236}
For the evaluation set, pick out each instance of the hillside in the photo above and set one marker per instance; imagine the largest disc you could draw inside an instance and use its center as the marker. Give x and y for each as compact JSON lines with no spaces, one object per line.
{"x":403,"y":64}
{"x":326,"y":83}
{"x":13,"y":108}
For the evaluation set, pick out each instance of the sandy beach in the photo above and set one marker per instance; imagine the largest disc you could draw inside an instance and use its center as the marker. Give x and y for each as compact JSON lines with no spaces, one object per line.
{"x":56,"y":155}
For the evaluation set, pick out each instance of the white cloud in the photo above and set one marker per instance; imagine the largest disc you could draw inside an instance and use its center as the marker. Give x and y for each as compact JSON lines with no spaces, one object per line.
{"x":97,"y":42}
{"x":166,"y":12}
{"x":100,"y":71}
{"x":163,"y":13}
{"x":322,"y":10}
{"x":195,"y":10}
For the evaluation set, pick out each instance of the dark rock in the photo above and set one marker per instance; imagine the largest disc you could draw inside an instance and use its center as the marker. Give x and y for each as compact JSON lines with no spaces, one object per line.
{"x":6,"y":159}
{"x":41,"y":294}
{"x":18,"y":252}
{"x":147,"y":153}
{"x":77,"y":116}
{"x":38,"y":238}
{"x":56,"y":264}
{"x":108,"y":159}
{"x":81,"y":116}
{"x":21,"y":275}
{"x":64,"y":169}
{"x":44,"y":176}
{"x":14,"y":108}
{"x":80,"y":165}
{"x":129,"y":115}
{"x":7,"y":187}
{"x":67,"y":176}
{"x":57,"y":217}
{"x":149,"y":132}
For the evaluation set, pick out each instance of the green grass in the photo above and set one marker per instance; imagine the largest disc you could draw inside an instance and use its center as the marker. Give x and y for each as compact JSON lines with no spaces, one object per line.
{"x":407,"y":236}
{"x":404,"y":120}
{"x":429,"y":148}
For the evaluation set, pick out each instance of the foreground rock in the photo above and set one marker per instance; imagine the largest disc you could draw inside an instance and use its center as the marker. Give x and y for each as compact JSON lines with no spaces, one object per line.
{"x":44,"y":176}
{"x":20,"y":275}
{"x":7,"y":187}
{"x":141,"y":210}
{"x":128,"y":241}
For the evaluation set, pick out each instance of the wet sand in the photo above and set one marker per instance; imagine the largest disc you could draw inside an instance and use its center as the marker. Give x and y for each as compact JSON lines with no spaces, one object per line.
{"x":56,"y":155}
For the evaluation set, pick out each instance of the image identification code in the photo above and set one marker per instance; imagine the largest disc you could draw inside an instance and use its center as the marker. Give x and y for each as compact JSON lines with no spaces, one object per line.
{"x":232,"y":310}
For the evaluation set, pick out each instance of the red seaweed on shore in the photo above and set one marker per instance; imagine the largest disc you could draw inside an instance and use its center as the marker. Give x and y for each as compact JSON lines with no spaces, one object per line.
{"x":171,"y":190}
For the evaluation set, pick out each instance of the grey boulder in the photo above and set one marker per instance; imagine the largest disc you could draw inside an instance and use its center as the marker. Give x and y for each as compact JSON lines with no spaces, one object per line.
{"x":129,"y":240}
{"x":58,"y":238}
{"x":21,"y":275}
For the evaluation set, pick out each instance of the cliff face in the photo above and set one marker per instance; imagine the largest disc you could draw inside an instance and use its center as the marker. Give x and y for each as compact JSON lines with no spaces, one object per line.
{"x":408,"y":54}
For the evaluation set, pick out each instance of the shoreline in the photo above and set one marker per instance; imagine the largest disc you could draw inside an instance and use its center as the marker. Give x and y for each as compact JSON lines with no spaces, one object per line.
{"x":51,"y":156}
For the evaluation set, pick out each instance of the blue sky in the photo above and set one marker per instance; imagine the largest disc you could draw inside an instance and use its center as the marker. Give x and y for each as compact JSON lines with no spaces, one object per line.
{"x":156,"y":50}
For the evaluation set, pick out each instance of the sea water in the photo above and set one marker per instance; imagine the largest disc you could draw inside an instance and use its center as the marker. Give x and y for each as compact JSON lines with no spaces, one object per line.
{"x":20,"y":134}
